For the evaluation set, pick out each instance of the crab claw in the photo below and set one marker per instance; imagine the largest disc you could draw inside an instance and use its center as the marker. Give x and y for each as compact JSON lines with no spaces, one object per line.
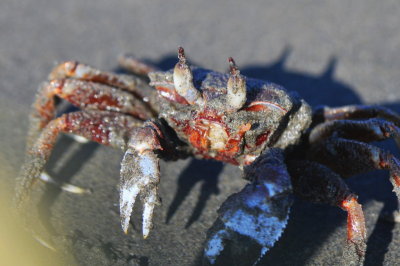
{"x":251,"y":221}
{"x":140,"y":174}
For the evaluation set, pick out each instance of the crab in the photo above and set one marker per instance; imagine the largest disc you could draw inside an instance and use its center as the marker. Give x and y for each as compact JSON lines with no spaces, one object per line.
{"x":282,"y":146}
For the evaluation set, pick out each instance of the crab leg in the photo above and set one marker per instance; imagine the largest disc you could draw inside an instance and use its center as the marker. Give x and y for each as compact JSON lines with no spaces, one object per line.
{"x":73,"y":69}
{"x":85,"y":95}
{"x":350,"y":157}
{"x":104,"y":127}
{"x":356,"y":112}
{"x":76,"y":70}
{"x":251,"y":221}
{"x":138,"y":67}
{"x":363,"y":130}
{"x":140,"y":173}
{"x":317,"y":183}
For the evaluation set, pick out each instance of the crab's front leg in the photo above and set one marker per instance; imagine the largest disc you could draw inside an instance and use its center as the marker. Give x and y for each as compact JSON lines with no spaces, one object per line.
{"x":251,"y":221}
{"x":140,"y":171}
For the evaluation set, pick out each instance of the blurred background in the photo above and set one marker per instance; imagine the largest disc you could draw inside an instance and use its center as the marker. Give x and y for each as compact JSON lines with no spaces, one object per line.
{"x":333,"y":53}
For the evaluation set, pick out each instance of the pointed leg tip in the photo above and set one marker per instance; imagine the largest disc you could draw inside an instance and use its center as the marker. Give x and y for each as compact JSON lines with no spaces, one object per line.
{"x":75,"y":189}
{"x":46,"y":177}
{"x":44,"y":243}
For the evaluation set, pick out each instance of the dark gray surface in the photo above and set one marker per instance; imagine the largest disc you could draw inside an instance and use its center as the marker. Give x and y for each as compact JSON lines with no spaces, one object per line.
{"x":333,"y":53}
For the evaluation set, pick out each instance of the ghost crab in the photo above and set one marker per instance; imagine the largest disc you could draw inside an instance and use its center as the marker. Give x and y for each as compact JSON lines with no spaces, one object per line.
{"x":281,"y":145}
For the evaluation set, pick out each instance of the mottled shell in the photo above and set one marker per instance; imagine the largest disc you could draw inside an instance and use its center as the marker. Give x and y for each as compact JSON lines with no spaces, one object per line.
{"x":214,"y":131}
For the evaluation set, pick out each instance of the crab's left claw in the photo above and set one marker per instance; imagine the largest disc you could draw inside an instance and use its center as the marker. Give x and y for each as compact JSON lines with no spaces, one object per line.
{"x":140,"y":174}
{"x":251,"y":221}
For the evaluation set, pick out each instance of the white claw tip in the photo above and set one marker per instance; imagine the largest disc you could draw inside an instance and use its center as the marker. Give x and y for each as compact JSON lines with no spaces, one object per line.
{"x":125,"y":226}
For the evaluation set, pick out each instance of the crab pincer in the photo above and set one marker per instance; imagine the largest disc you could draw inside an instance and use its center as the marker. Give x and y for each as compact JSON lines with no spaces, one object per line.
{"x":252,"y":220}
{"x":140,"y":174}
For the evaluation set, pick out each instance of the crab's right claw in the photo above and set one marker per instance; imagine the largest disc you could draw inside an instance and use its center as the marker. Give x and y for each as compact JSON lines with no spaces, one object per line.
{"x":140,"y":174}
{"x":251,"y":221}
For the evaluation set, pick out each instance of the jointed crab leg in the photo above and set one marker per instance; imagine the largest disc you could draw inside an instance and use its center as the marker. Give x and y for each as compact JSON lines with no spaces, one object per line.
{"x":137,"y":86}
{"x":317,"y":183}
{"x":72,"y":69}
{"x":135,"y":66}
{"x":104,"y":127}
{"x":363,"y":130}
{"x":88,"y":95}
{"x":85,"y":95}
{"x":356,"y":112}
{"x":350,"y":157}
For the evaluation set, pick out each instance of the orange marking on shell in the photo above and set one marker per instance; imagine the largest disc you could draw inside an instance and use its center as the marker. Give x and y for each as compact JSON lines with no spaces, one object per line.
{"x":244,"y":128}
{"x":197,"y":138}
{"x":255,"y":108}
{"x":232,"y":146}
{"x":260,"y":106}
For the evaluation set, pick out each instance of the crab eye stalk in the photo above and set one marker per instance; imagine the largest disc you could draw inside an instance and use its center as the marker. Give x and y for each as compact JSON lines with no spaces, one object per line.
{"x":183,"y":80}
{"x":236,"y":88}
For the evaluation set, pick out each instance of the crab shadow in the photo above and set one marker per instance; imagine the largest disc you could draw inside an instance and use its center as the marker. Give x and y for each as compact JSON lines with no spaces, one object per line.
{"x":311,"y":224}
{"x":198,"y":171}
{"x":63,"y":174}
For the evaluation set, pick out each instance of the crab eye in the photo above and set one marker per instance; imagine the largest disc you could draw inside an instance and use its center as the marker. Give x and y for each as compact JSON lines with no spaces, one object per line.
{"x":183,"y":80}
{"x":236,"y":88}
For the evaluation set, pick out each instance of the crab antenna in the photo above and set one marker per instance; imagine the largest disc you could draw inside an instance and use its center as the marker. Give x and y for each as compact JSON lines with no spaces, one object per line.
{"x":236,"y":88}
{"x":183,"y":80}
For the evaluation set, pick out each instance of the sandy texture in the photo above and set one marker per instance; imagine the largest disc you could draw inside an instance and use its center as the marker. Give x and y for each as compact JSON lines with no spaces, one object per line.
{"x":332,"y":53}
